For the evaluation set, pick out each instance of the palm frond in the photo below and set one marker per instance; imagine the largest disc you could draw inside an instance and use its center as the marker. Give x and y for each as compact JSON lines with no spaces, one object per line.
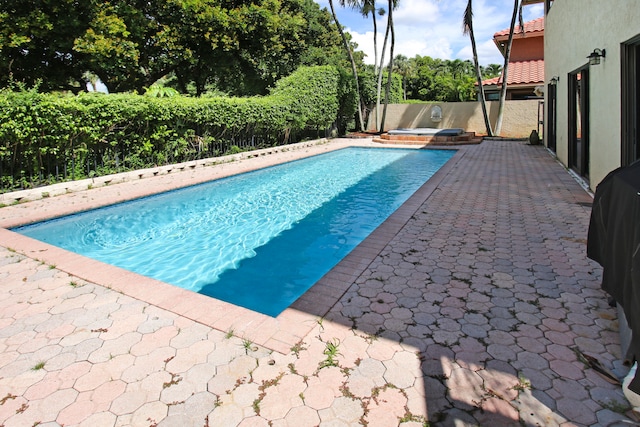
{"x":467,"y":19}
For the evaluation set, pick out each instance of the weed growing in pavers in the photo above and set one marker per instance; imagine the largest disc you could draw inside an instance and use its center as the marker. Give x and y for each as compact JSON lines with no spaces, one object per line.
{"x":271,"y":383}
{"x":175,"y":379}
{"x":7,"y":397}
{"x":38,"y":366}
{"x":229,"y":334}
{"x":239,"y":382}
{"x":256,"y":406}
{"x":292,"y":368}
{"x":523,"y":383}
{"x":408,"y":417}
{"x":301,"y":395}
{"x":331,"y":351}
{"x":369,"y":338}
{"x":344,"y":389}
{"x":248,"y":345}
{"x":22,"y":408}
{"x":265,"y":384}
{"x":297,"y":348}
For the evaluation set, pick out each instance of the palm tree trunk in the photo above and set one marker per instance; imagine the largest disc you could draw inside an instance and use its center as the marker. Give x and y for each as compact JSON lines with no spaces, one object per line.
{"x":505,"y":68}
{"x":468,"y":28}
{"x":388,"y":88}
{"x":380,"y":71}
{"x":375,"y":41}
{"x":360,"y":125}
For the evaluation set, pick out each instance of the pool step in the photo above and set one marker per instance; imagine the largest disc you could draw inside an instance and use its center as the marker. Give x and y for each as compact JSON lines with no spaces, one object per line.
{"x":465,"y":138}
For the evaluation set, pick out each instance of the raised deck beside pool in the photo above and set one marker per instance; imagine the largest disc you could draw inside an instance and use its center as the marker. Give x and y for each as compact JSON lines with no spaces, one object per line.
{"x":429,"y":136}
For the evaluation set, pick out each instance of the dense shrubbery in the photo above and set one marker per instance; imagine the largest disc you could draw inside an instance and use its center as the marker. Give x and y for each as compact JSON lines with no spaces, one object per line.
{"x":45,"y":138}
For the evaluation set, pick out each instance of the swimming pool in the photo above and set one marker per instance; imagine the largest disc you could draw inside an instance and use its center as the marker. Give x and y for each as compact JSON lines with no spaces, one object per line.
{"x":259,"y":239}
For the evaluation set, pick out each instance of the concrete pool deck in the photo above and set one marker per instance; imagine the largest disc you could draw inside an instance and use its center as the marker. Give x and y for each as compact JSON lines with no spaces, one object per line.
{"x":464,"y":308}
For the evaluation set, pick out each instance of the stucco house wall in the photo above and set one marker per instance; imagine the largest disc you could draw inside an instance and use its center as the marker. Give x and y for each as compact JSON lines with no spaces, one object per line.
{"x":520,"y":117}
{"x":573,"y":29}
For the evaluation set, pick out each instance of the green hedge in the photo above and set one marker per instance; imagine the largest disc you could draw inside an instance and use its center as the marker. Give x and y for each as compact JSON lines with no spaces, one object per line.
{"x":46,"y":138}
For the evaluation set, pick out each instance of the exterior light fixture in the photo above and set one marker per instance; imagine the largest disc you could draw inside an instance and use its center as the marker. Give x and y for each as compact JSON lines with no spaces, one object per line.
{"x":594,"y":57}
{"x":554,"y":80}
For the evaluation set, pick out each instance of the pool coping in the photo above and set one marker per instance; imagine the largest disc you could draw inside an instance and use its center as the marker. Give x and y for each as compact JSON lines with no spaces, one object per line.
{"x":279,"y":333}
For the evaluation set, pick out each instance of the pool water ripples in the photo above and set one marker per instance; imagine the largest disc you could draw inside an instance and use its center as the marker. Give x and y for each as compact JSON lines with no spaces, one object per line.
{"x":258,"y":239}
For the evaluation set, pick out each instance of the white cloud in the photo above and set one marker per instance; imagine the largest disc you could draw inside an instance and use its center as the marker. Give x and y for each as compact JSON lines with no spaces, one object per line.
{"x":434,"y":28}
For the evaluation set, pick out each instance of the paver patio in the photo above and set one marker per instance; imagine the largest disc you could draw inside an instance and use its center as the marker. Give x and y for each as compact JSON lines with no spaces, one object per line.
{"x":463,"y":309}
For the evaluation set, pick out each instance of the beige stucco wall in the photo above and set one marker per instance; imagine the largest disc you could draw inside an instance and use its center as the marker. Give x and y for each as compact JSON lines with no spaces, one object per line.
{"x":573,"y":29}
{"x":520,"y":117}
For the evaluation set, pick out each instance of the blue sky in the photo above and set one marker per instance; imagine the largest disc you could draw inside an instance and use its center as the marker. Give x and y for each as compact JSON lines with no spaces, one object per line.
{"x":434,"y":27}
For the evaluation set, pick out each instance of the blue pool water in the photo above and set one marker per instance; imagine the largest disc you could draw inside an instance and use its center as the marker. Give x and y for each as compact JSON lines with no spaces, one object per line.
{"x":259,"y":239}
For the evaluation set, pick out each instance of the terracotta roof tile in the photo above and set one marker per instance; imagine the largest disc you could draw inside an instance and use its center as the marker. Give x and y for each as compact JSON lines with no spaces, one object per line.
{"x":537,"y":25}
{"x":521,"y":72}
{"x":493,"y":81}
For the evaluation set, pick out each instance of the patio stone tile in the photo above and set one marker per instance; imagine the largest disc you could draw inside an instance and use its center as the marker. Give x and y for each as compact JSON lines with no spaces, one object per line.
{"x":47,"y":386}
{"x":227,"y":414}
{"x":576,"y":411}
{"x":343,"y":411}
{"x":386,"y":408}
{"x":76,"y":412}
{"x":130,"y":401}
{"x":472,"y":297}
{"x":99,"y":419}
{"x":258,"y":421}
{"x":149,"y":342}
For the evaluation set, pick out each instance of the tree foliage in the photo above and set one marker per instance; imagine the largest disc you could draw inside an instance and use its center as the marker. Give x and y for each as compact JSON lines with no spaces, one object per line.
{"x":241,"y":47}
{"x":432,"y":79}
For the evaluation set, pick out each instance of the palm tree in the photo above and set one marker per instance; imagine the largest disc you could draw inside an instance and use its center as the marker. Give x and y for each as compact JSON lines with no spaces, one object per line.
{"x":493,"y":70}
{"x":392,"y":5}
{"x":468,"y":29}
{"x":360,"y":125}
{"x":517,"y":10}
{"x":367,"y":7}
{"x":401,"y":66}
